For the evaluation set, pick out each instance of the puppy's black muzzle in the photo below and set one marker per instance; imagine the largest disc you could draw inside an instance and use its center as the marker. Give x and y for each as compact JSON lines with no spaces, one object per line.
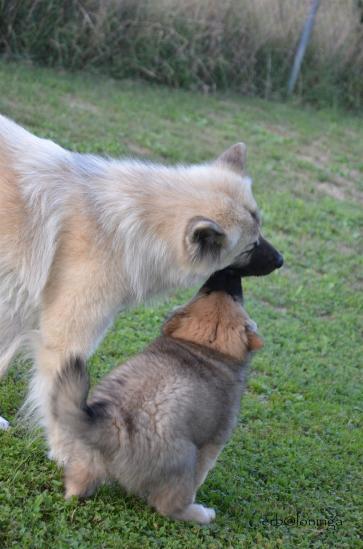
{"x":228,"y":280}
{"x":263,"y":259}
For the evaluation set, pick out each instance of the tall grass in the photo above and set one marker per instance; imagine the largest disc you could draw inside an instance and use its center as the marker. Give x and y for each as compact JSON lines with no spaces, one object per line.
{"x":245,"y":45}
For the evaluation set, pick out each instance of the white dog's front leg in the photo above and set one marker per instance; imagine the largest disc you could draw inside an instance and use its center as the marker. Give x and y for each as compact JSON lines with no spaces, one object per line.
{"x":61,"y":338}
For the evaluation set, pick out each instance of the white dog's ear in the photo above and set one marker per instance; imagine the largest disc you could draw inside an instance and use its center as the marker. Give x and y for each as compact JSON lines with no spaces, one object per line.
{"x":204,"y":238}
{"x":234,"y":157}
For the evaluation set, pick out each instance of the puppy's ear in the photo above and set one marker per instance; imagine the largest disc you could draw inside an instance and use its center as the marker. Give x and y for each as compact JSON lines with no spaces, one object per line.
{"x":204,"y":238}
{"x":254,"y":340}
{"x":234,"y":157}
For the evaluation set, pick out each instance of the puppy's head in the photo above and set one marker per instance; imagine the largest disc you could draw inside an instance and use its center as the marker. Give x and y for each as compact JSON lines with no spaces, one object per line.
{"x":223,"y":225}
{"x":215,"y":318}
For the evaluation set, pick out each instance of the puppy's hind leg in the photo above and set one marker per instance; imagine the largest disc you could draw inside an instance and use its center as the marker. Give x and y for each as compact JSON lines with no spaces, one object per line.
{"x":175,"y":497}
{"x":176,"y":500}
{"x":207,"y":456}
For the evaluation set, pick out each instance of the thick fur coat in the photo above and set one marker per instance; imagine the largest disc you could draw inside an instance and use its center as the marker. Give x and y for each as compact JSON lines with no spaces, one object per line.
{"x":157,"y":423}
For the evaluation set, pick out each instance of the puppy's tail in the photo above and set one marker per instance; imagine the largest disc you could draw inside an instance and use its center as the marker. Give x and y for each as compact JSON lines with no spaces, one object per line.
{"x":69,"y":403}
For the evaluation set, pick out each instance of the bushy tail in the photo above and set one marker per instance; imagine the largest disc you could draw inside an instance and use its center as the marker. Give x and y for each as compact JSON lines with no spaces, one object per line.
{"x":69,"y":403}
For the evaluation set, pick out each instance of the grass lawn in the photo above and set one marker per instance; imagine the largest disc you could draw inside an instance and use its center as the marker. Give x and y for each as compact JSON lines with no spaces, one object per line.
{"x":298,"y":444}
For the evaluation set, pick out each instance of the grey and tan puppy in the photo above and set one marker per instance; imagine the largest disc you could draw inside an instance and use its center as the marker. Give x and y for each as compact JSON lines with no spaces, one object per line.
{"x":157,"y":423}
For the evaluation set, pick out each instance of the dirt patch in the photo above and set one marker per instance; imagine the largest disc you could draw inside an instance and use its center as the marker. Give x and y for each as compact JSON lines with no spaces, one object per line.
{"x":317,"y":157}
{"x":332,"y":190}
{"x":81,"y":105}
{"x":345,"y":250}
{"x":337,"y":186}
{"x":138,"y":149}
{"x":340,"y":189}
{"x":282,"y":131}
{"x":278,"y":308}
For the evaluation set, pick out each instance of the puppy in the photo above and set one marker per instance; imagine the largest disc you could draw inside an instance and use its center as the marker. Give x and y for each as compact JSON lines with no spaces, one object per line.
{"x":157,"y":423}
{"x":84,"y":237}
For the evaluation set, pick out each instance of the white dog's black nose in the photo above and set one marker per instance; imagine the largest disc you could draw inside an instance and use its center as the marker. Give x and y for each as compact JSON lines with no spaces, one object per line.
{"x":263,"y":259}
{"x":279,"y":261}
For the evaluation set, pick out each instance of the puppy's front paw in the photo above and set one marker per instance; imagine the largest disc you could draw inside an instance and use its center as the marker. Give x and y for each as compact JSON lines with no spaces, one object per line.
{"x":210,"y":514}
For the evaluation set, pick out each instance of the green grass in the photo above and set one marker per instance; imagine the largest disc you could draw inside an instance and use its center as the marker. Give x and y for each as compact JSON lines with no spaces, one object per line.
{"x":298,"y":444}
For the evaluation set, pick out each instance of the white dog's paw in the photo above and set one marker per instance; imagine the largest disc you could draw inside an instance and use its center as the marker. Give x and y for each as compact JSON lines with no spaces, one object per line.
{"x":4,"y":424}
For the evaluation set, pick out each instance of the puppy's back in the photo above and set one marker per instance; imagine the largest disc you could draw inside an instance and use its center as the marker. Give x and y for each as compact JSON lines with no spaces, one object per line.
{"x":174,"y":389}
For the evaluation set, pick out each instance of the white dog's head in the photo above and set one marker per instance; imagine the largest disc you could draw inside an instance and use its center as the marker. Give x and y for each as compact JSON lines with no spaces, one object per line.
{"x":226,"y":228}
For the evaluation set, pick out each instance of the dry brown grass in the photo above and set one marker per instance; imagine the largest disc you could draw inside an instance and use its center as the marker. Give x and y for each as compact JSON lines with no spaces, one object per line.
{"x":247,"y":45}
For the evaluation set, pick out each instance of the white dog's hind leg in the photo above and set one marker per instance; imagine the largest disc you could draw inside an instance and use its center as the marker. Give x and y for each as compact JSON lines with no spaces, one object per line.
{"x":8,"y":349}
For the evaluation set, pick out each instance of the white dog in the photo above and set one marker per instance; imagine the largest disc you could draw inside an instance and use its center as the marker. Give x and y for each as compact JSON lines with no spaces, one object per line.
{"x":82,"y":237}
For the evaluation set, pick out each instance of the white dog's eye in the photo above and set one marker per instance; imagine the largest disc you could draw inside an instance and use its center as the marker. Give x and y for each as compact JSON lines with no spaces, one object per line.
{"x":254,"y":245}
{"x":255,"y":214}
